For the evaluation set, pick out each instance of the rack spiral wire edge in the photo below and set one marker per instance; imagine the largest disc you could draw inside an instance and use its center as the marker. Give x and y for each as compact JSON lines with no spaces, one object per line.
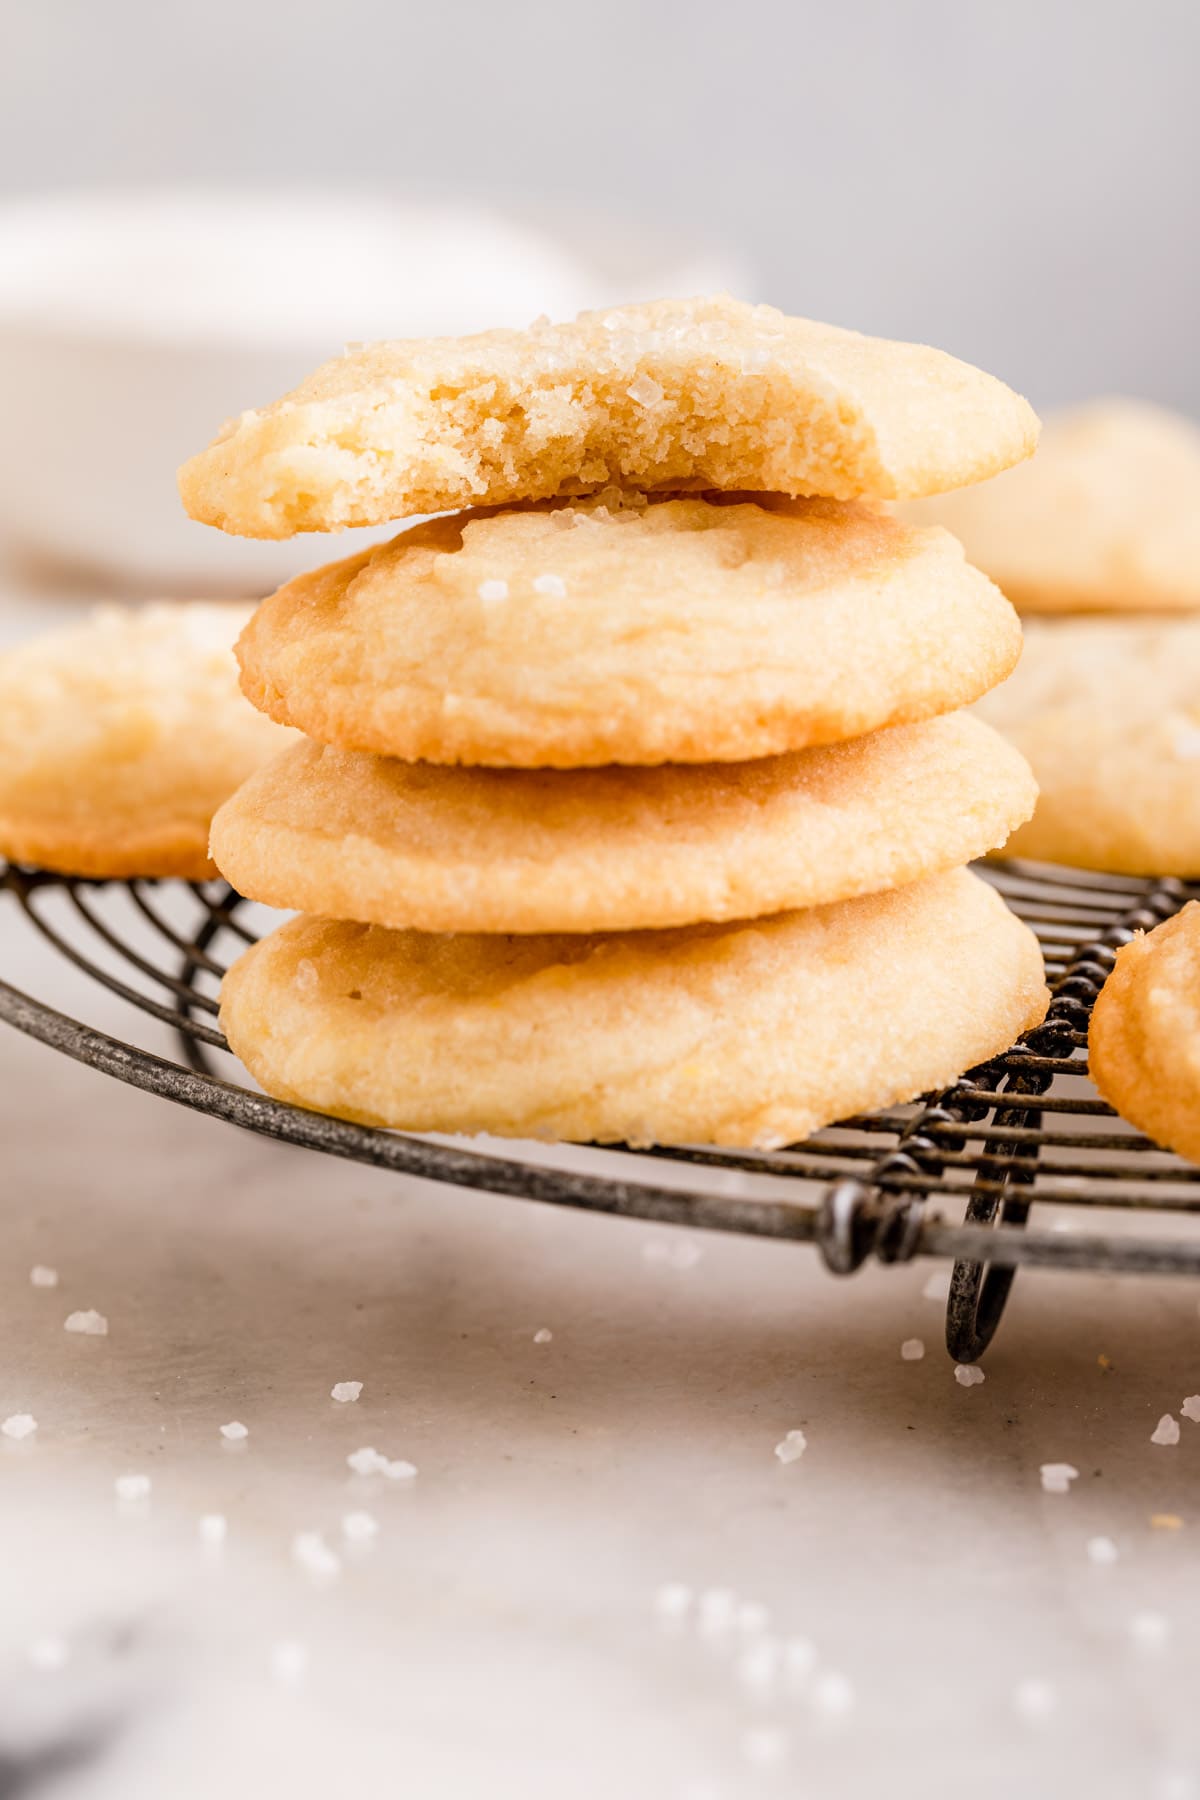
{"x":993,"y":1140}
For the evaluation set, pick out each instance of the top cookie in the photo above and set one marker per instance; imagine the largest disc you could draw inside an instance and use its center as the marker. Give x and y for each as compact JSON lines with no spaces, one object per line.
{"x":1105,"y":519}
{"x":666,"y":395}
{"x":121,"y":735}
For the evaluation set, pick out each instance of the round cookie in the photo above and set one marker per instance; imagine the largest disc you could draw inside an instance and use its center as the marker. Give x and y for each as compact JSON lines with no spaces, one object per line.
{"x":617,"y":849}
{"x":680,"y":630}
{"x":1108,"y":713}
{"x":119,"y":738}
{"x":1144,"y":1040}
{"x":667,"y":395}
{"x":745,"y":1034}
{"x":1106,"y":518}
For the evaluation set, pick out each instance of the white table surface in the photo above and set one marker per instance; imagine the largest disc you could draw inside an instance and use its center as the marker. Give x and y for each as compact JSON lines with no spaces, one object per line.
{"x":499,"y":1637}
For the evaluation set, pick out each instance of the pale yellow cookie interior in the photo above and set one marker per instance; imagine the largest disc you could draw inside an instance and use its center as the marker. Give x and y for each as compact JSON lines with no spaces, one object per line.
{"x":707,"y":393}
{"x":748,"y":1034}
{"x":418,"y":845}
{"x":121,"y":735}
{"x":1108,"y":713}
{"x":678,"y":630}
{"x":1106,"y":518}
{"x":1144,"y":1041}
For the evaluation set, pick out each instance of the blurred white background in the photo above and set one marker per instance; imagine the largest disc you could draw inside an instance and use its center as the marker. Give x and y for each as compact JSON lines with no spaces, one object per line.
{"x":1015,"y":182}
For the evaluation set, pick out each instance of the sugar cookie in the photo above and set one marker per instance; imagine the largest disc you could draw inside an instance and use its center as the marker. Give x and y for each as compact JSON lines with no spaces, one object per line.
{"x":746,"y":1034}
{"x":666,"y":395}
{"x":119,"y":738}
{"x":617,"y":849}
{"x":684,"y":630}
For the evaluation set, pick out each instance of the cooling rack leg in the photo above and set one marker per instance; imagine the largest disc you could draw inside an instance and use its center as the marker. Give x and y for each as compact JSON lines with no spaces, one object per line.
{"x":978,"y":1295}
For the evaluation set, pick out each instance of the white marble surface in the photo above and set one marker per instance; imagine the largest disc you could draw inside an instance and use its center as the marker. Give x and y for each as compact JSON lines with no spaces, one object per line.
{"x":499,"y":1636}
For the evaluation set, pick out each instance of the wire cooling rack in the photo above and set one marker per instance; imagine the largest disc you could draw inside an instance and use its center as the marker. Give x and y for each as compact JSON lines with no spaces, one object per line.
{"x":955,"y":1175}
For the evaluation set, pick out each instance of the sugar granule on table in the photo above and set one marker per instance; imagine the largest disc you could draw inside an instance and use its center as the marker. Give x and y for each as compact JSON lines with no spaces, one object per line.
{"x":791,"y":1446}
{"x":758,"y":1667}
{"x":1057,"y":1477}
{"x":288,"y":1661}
{"x":49,"y":1653}
{"x":968,"y":1374}
{"x":799,"y":1660}
{"x":1191,"y":1408}
{"x":1034,"y":1700}
{"x":673,"y":1601}
{"x":833,"y":1695}
{"x":912,"y":1350}
{"x":345,"y":1392}
{"x":89,"y":1323}
{"x":359,"y":1527}
{"x":19,"y":1425}
{"x":213,"y":1529}
{"x":718,"y":1610}
{"x":551,"y":585}
{"x":42,"y":1276}
{"x":369,"y":1461}
{"x":235,"y":1432}
{"x":1102,"y":1551}
{"x":1150,"y":1630}
{"x":1166,"y":1431}
{"x":492,"y":590}
{"x":543,"y":1335}
{"x":132,"y":1487}
{"x":938,"y":1285}
{"x":765,"y":1746}
{"x":313,"y":1554}
{"x":675,"y":1253}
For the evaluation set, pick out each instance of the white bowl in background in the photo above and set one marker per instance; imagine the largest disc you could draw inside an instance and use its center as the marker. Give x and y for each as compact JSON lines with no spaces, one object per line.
{"x":132,"y":325}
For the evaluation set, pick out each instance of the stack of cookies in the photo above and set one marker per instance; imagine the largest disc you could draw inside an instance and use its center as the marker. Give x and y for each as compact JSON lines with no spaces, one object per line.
{"x":636,"y":798}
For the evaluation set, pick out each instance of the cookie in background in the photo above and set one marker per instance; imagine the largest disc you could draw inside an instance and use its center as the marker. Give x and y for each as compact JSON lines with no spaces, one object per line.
{"x":121,"y":735}
{"x":1107,"y":711}
{"x":1144,"y":1038}
{"x":1105,"y":518}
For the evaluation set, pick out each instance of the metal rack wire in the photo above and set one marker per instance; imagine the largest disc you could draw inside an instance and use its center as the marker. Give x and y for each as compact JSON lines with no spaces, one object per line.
{"x":954,"y":1176}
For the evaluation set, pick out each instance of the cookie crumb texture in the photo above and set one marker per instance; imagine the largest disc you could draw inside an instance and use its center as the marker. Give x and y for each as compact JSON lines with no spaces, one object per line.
{"x":119,"y":738}
{"x":1144,"y":1039}
{"x":741,"y":1035}
{"x":624,"y":630}
{"x":415,"y":845}
{"x":669,"y":394}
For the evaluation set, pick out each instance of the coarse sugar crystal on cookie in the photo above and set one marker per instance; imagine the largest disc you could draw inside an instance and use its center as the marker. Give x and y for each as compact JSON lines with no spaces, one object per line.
{"x":749,"y":1035}
{"x":370,"y":838}
{"x":1144,"y":1039}
{"x":614,"y":629}
{"x":1106,"y":518}
{"x":1107,"y":711}
{"x":121,"y":735}
{"x":669,"y":394}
